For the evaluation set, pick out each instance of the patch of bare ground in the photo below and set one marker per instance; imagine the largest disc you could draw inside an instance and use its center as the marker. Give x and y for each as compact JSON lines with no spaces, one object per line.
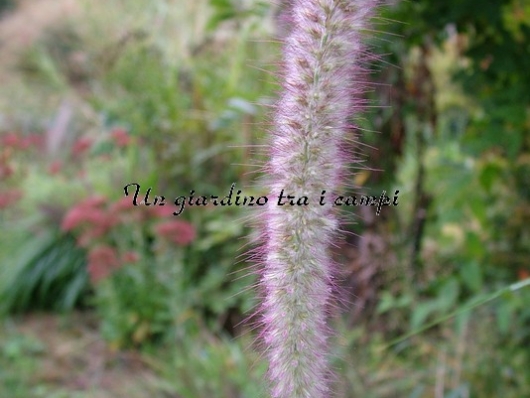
{"x":76,"y":359}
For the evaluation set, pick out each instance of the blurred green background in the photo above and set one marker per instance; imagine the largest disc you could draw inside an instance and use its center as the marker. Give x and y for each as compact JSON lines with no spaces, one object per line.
{"x":102,"y":299}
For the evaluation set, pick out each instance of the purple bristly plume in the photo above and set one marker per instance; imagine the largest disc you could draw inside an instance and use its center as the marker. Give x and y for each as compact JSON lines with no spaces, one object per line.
{"x":323,"y":82}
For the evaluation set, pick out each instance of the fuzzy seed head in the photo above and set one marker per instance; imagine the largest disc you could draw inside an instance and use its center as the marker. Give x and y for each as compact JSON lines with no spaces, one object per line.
{"x":323,"y":71}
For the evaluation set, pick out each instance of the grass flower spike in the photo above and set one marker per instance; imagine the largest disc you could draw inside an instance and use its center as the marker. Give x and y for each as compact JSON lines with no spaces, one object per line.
{"x":322,"y":90}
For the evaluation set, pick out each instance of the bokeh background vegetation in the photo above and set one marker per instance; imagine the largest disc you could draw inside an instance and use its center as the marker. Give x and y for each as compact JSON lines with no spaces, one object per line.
{"x":102,"y":299}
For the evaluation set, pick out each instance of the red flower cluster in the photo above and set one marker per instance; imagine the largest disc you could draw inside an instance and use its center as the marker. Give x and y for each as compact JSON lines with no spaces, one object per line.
{"x":161,"y":211}
{"x":123,"y":204}
{"x":55,"y":167}
{"x":131,"y":257}
{"x":13,"y":140}
{"x":82,"y":145}
{"x":102,"y":261}
{"x":127,"y":212}
{"x":177,"y":231}
{"x":94,"y":219}
{"x":91,"y":215}
{"x":10,"y":143}
{"x":121,"y":137}
{"x":6,"y":170}
{"x":7,"y":198}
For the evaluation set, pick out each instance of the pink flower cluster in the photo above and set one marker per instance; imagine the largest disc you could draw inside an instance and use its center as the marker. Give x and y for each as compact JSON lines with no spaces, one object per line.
{"x":91,"y":215}
{"x":12,"y":143}
{"x":81,"y":146}
{"x":94,"y":219}
{"x":102,"y":260}
{"x":120,"y":137}
{"x":7,"y":198}
{"x":16,"y":141}
{"x":177,"y":231}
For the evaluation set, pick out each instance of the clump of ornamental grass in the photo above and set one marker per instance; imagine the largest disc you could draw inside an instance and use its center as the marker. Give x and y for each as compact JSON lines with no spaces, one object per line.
{"x":323,"y":82}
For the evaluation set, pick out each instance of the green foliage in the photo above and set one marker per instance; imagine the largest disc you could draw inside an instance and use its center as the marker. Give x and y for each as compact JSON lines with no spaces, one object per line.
{"x":139,"y":303}
{"x":180,"y":114}
{"x":472,"y":148}
{"x":497,"y":37}
{"x":235,"y":10}
{"x":219,"y":368}
{"x":18,"y":355}
{"x":180,"y":79}
{"x":49,"y":274}
{"x":155,"y":298}
{"x":510,"y":299}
